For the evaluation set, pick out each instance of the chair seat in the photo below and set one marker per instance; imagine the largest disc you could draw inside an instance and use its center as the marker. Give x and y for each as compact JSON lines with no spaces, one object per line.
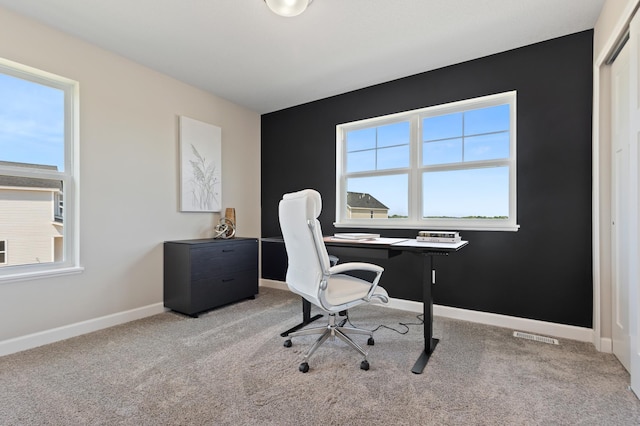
{"x":345,"y":288}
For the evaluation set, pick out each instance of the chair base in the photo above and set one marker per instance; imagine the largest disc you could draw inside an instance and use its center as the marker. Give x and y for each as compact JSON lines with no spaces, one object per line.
{"x":332,"y":330}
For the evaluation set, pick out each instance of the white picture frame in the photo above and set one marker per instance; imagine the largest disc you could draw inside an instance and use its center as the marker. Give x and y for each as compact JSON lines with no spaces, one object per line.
{"x":200,"y":166}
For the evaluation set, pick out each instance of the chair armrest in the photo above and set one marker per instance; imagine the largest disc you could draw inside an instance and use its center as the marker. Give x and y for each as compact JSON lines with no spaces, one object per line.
{"x":361,"y":266}
{"x":355,"y":266}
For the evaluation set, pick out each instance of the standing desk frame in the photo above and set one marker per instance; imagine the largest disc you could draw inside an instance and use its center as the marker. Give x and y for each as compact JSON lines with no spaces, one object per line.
{"x":306,"y":318}
{"x":423,"y":249}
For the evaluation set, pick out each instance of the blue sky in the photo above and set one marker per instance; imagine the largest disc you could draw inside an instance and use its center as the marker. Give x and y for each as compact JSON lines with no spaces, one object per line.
{"x":481,"y":134}
{"x":31,"y":122}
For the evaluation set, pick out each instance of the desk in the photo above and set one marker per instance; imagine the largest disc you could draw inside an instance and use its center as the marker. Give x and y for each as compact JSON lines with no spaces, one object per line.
{"x":387,"y":248}
{"x":427,"y":251}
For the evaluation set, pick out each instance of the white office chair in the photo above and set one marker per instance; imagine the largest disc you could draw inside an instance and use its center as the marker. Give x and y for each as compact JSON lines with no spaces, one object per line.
{"x":311,"y":275}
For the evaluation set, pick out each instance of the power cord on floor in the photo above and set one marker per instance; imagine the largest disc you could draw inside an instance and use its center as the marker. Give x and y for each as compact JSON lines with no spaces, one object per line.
{"x":406,"y":325}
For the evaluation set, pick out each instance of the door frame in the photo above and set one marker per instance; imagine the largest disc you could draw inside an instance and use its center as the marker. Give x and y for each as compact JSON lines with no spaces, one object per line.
{"x":620,"y":208}
{"x":601,"y":219}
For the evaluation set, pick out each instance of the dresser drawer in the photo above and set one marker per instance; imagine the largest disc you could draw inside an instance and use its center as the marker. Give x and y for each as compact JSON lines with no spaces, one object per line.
{"x":223,"y":258}
{"x":210,"y":293}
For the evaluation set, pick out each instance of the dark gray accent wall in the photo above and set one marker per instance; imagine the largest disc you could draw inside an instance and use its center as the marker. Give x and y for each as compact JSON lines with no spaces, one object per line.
{"x":543,"y":271}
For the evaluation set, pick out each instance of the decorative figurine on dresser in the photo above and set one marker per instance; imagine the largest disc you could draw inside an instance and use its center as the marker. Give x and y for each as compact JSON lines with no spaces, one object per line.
{"x":226,"y":227}
{"x":200,"y":275}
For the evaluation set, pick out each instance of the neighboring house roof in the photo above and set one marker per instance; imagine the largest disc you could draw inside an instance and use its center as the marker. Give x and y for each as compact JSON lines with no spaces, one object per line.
{"x":362,"y":200}
{"x":29,"y":182}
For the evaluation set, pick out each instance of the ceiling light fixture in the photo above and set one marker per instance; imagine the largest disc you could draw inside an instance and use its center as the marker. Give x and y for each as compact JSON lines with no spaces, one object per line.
{"x":288,"y":8}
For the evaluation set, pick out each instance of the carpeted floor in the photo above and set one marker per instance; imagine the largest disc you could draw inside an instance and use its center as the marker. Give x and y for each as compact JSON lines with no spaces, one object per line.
{"x":229,"y":367}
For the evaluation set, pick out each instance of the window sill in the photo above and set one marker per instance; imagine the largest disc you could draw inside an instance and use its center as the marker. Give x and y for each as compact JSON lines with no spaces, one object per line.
{"x":456,"y":227}
{"x":48,"y":273}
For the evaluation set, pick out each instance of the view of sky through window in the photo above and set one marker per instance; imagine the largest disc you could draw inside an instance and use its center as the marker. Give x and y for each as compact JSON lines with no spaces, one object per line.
{"x":31,"y":122}
{"x":453,"y":141}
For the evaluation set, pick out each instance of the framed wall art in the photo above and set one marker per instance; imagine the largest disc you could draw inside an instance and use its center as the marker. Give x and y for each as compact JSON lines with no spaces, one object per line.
{"x":200,"y":166}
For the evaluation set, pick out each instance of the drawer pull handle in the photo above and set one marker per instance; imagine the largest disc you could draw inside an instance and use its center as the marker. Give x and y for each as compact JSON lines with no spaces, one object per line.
{"x":228,"y":280}
{"x":227,"y":250}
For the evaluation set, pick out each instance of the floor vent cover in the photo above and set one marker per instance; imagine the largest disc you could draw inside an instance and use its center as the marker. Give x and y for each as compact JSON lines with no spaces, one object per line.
{"x":535,"y":337}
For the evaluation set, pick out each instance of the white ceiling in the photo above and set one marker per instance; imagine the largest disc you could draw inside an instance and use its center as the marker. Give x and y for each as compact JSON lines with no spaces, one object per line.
{"x":239,"y":50}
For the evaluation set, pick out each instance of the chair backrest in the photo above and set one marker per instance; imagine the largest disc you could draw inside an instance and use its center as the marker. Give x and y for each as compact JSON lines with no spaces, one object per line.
{"x":308,"y":259}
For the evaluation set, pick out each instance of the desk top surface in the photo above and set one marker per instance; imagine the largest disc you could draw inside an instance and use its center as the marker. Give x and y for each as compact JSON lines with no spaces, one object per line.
{"x":400,"y":244}
{"x":396,"y":244}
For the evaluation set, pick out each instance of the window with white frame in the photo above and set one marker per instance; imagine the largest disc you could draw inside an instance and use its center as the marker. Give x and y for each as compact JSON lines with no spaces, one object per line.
{"x":38,"y":153}
{"x":3,"y":252}
{"x":450,"y":166}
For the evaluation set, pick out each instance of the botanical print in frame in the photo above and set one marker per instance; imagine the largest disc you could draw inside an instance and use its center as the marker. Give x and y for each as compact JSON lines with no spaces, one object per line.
{"x":200,"y":166}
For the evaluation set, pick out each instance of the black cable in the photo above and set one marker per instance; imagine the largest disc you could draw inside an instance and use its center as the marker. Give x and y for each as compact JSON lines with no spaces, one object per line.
{"x":404,"y":324}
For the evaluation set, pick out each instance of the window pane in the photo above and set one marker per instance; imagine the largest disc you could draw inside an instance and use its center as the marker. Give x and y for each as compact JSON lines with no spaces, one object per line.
{"x":361,"y":161}
{"x":442,"y":127}
{"x":378,"y":197}
{"x":486,"y":120}
{"x":390,"y":158}
{"x":27,"y":207}
{"x":394,"y":134}
{"x":31,"y":122}
{"x":442,"y":152}
{"x":473,"y":193}
{"x":361,"y":139}
{"x":486,"y":147}
{"x":378,"y":148}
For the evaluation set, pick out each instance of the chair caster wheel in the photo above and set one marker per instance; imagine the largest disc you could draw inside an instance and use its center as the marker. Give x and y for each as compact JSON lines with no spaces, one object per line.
{"x":371,"y":342}
{"x":287,"y":343}
{"x":304,"y":367}
{"x":364,"y":365}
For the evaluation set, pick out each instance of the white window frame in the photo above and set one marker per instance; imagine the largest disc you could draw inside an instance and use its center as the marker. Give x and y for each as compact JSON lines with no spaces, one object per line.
{"x":415,"y":170}
{"x":3,"y":250}
{"x":69,"y":176}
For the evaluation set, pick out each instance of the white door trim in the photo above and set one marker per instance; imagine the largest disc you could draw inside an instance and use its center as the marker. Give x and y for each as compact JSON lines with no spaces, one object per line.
{"x":602,"y":343}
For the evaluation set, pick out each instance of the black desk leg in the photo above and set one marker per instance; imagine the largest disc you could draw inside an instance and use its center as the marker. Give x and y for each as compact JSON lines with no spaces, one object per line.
{"x":427,"y":302}
{"x":306,"y":318}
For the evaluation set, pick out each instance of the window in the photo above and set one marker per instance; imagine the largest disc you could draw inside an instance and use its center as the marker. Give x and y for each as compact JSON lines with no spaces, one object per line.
{"x":38,"y":151}
{"x":450,"y":166}
{"x":58,"y":207}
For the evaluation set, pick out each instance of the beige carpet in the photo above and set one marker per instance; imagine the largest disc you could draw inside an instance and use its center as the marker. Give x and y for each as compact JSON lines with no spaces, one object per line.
{"x":229,"y":367}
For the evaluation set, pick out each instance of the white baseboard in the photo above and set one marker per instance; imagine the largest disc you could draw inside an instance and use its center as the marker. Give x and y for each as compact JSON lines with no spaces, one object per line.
{"x":72,"y":330}
{"x":606,"y":345}
{"x":520,"y":324}
{"x":278,"y":285}
{"x":550,"y":329}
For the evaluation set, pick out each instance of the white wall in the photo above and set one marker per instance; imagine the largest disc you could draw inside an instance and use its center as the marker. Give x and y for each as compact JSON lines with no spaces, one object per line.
{"x":611,"y":22}
{"x":129,"y":179}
